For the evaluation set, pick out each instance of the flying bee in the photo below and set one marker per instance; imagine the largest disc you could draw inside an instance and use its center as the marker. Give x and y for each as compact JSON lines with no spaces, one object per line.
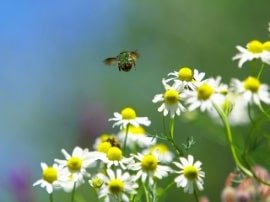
{"x":125,"y":60}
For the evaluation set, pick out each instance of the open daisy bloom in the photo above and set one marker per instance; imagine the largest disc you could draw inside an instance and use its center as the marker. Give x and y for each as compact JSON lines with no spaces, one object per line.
{"x":128,"y":117}
{"x":117,"y":186}
{"x":114,"y":157}
{"x":149,"y":168}
{"x":190,"y":174}
{"x":171,"y":98}
{"x":77,"y":163}
{"x":187,"y":77}
{"x":50,"y":177}
{"x":210,"y":92}
{"x":254,"y":50}
{"x":251,"y":90}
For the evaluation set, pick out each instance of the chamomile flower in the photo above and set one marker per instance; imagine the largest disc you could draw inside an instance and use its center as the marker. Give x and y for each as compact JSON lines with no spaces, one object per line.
{"x":77,"y":163}
{"x":118,"y":186}
{"x":50,"y":177}
{"x":251,"y":90}
{"x":161,"y":151}
{"x":114,"y":157}
{"x":149,"y":167}
{"x":172,"y":99}
{"x":254,"y":50}
{"x":190,"y":174}
{"x":188,"y":77}
{"x":128,"y":117}
{"x":209,"y":92}
{"x":137,"y":136}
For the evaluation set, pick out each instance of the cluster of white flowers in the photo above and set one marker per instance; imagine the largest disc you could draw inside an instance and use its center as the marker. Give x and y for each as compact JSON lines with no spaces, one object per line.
{"x":190,"y":90}
{"x":124,"y":173}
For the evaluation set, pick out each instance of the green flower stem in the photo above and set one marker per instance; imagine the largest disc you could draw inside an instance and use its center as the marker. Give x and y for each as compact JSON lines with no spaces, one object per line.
{"x":73,"y":192}
{"x":260,"y":72}
{"x":195,"y":194}
{"x":146,"y":193}
{"x":171,"y":139}
{"x":264,"y":112}
{"x":125,"y":140}
{"x":226,"y":123}
{"x":51,"y":197}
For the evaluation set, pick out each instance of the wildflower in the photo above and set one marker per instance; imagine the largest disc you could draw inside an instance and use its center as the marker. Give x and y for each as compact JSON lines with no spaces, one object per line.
{"x":77,"y":163}
{"x":187,"y":77}
{"x":190,"y":174}
{"x":161,"y":151}
{"x":149,"y":168}
{"x":128,"y":116}
{"x":209,"y":92}
{"x":254,"y":50}
{"x":117,"y":186}
{"x":96,"y":182}
{"x":251,"y":90}
{"x":50,"y":177}
{"x":171,"y":98}
{"x":137,"y":136}
{"x":114,"y":156}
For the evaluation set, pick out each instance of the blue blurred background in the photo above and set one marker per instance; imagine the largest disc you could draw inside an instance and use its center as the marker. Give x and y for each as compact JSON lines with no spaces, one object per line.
{"x":56,"y":92}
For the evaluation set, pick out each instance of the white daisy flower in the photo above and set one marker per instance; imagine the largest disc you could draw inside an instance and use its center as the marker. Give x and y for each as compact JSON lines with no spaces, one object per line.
{"x":161,"y":151}
{"x":172,"y":99}
{"x":128,"y":116}
{"x":209,"y":92}
{"x":190,"y":174}
{"x":77,"y":163}
{"x":149,"y":168}
{"x":117,"y":186}
{"x":251,"y":90}
{"x":51,"y":177}
{"x":114,"y":157}
{"x":254,"y":50}
{"x":187,"y":77}
{"x":137,"y":136}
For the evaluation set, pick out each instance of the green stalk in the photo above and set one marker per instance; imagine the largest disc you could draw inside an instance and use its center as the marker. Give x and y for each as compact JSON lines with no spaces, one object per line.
{"x":73,"y":192}
{"x":260,"y":71}
{"x":226,"y":123}
{"x":125,"y":141}
{"x":171,"y":139}
{"x":51,"y":197}
{"x":146,"y":193}
{"x":195,"y":193}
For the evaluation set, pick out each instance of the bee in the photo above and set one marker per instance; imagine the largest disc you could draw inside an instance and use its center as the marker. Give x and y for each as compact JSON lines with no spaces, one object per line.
{"x":125,"y":60}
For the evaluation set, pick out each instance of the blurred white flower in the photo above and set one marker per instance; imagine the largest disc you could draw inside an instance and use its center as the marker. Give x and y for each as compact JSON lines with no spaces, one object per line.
{"x":162,"y":152}
{"x":190,"y":174}
{"x":128,"y":116}
{"x":171,"y":98}
{"x":254,"y":50}
{"x":117,"y":186}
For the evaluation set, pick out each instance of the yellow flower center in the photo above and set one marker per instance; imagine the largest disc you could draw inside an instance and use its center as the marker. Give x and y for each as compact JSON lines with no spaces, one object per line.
{"x":162,"y":148}
{"x":50,"y":174}
{"x":171,"y":96}
{"x":205,"y":91}
{"x":149,"y":162}
{"x":128,"y":113}
{"x":252,"y":84}
{"x":266,"y":46}
{"x":185,"y":74}
{"x":74,"y":164}
{"x":116,"y":186}
{"x":136,"y":130}
{"x":114,"y":154}
{"x":255,"y":46}
{"x":104,"y":147}
{"x":190,"y":172}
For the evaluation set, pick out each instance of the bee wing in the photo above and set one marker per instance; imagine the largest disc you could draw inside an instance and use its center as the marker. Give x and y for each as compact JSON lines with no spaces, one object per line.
{"x":110,"y":61}
{"x":134,"y":54}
